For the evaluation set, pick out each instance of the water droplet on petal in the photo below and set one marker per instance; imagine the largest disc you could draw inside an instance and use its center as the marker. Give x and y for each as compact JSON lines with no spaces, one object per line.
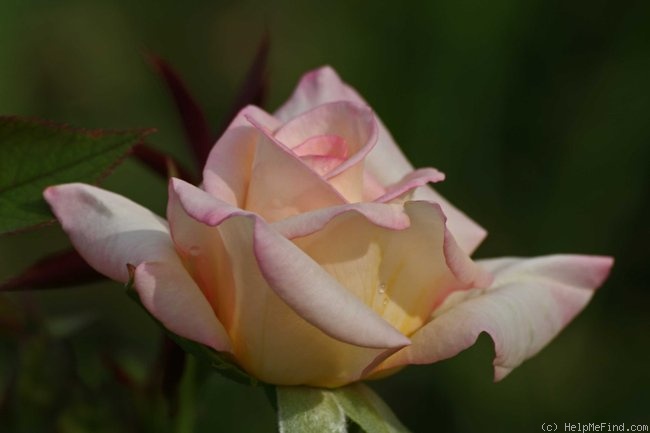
{"x":195,"y":250}
{"x":382,"y":288}
{"x":385,"y":301}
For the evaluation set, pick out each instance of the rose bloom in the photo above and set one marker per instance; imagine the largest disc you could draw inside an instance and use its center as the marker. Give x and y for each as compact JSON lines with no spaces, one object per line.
{"x":314,"y":254}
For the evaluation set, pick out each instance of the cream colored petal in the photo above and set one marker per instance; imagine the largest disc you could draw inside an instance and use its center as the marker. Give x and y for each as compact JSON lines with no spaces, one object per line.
{"x":386,"y":162}
{"x":289,"y":319}
{"x":227,"y":172}
{"x":529,"y":303}
{"x":403,"y":274}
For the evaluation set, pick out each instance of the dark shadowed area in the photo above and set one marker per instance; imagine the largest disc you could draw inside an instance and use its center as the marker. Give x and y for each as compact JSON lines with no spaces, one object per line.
{"x":537,"y":111}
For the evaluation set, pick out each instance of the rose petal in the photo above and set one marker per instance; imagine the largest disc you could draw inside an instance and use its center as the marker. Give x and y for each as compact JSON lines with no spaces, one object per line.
{"x":528,"y":304}
{"x":111,"y":231}
{"x":402,"y":270}
{"x":315,"y":88}
{"x":227,"y":172}
{"x":468,"y":234}
{"x":281,"y":184}
{"x":391,"y":216}
{"x":108,"y":230}
{"x":323,"y":145}
{"x":386,"y":162}
{"x":354,"y":123}
{"x":405,"y":187}
{"x":323,"y":153}
{"x":269,"y":339}
{"x":168,"y":292}
{"x":268,"y":259}
{"x":288,"y":313}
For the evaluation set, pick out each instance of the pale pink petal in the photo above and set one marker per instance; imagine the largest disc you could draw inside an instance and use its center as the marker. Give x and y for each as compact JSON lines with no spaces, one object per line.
{"x":109,"y":230}
{"x":203,"y":253}
{"x":385,"y":162}
{"x":168,"y":292}
{"x":468,"y":234}
{"x":323,"y":145}
{"x":323,"y":153}
{"x":227,"y":172}
{"x":354,"y":123}
{"x":372,"y":189}
{"x":268,"y":258}
{"x":528,"y":304}
{"x":281,"y":184}
{"x":323,"y":165}
{"x":403,"y":189}
{"x":315,"y":88}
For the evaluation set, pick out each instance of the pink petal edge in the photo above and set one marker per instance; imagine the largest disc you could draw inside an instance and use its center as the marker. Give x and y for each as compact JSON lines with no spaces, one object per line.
{"x":528,"y":304}
{"x":168,"y":292}
{"x":295,"y":278}
{"x":386,"y":162}
{"x":411,"y":181}
{"x":110,"y":231}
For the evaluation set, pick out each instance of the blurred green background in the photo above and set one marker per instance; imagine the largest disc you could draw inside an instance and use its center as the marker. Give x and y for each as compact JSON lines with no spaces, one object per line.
{"x":537,"y":111}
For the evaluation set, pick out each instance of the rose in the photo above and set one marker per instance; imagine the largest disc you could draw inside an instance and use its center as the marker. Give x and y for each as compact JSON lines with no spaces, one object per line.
{"x":314,"y":254}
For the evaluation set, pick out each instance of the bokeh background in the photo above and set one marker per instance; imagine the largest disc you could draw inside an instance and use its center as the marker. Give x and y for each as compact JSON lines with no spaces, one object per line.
{"x":537,"y":111}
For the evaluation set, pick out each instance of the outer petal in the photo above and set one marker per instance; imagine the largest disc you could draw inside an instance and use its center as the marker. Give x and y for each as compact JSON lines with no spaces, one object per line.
{"x":405,"y":187}
{"x":269,"y":258}
{"x":168,"y":292}
{"x":111,"y":231}
{"x":528,"y":304}
{"x":402,"y":271}
{"x":315,"y":88}
{"x":228,"y":169}
{"x":266,"y":280}
{"x":386,"y":162}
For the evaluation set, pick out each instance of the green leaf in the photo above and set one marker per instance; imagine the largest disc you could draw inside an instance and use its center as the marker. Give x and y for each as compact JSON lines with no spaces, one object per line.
{"x":35,"y":154}
{"x":309,"y":410}
{"x":367,"y":409}
{"x":218,"y":361}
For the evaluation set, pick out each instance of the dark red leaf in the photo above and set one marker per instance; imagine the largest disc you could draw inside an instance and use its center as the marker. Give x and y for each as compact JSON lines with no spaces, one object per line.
{"x":119,"y":373}
{"x":197,"y":131}
{"x":168,"y":372}
{"x":160,"y":163}
{"x":254,"y":88}
{"x":61,"y":269}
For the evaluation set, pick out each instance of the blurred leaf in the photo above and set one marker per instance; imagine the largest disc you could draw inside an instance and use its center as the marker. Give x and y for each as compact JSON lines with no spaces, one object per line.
{"x":61,"y":269}
{"x":197,"y":131}
{"x":309,"y":410}
{"x":12,"y":318}
{"x":255,"y":86}
{"x":367,"y":409}
{"x":42,"y":387}
{"x":35,"y":154}
{"x":185,"y":415}
{"x":66,"y":326}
